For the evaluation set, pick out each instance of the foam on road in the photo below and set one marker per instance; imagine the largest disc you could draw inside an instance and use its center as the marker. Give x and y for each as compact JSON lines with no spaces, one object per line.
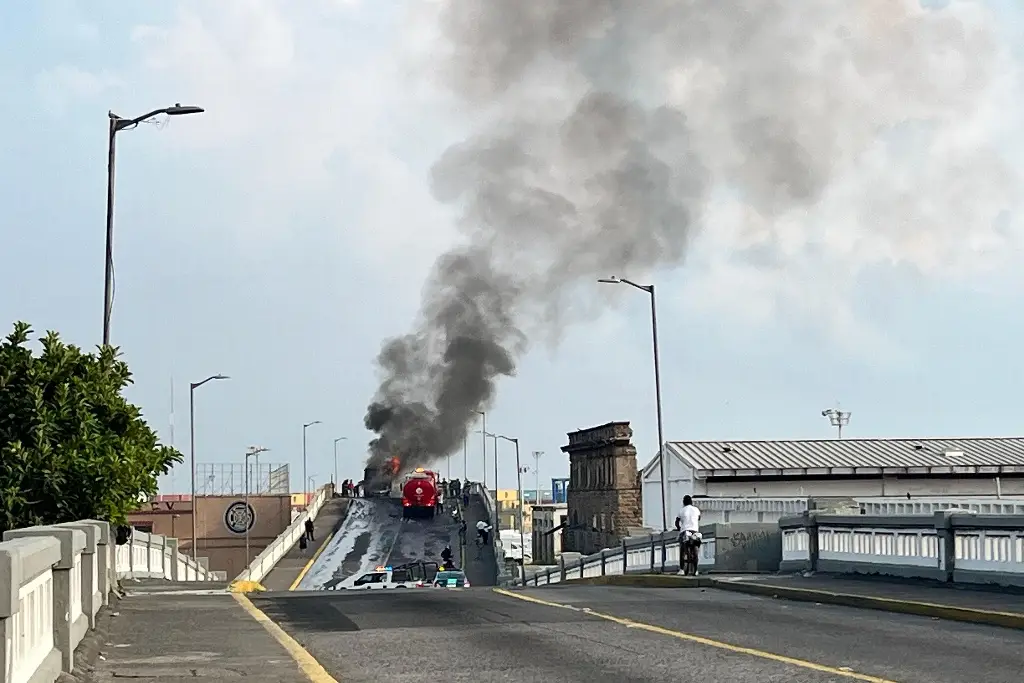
{"x":373,"y":534}
{"x":480,"y":635}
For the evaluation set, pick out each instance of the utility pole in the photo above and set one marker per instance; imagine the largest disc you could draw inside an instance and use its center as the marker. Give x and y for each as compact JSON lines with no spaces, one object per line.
{"x":483,"y":430}
{"x":536,"y":473}
{"x":465,"y":458}
{"x":837,"y":418}
{"x":250,"y":517}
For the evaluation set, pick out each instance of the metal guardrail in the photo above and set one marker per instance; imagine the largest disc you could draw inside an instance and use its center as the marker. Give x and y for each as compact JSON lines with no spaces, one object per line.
{"x":639,"y":555}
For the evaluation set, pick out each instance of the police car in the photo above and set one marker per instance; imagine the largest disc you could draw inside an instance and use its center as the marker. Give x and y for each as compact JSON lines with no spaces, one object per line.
{"x":412,"y":575}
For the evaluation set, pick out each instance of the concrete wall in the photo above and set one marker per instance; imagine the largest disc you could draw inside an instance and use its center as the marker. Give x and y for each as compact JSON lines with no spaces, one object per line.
{"x":220,"y":529}
{"x":746,"y":547}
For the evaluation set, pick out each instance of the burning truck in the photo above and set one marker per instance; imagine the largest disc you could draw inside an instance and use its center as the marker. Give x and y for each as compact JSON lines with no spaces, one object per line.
{"x":377,"y":481}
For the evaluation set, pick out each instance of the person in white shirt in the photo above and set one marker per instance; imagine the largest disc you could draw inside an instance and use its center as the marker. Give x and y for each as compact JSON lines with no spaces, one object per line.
{"x":688,"y":525}
{"x":483,"y":529}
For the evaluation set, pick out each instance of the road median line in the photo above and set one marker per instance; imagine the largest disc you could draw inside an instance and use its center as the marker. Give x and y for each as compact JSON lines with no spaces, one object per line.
{"x":701,"y":640}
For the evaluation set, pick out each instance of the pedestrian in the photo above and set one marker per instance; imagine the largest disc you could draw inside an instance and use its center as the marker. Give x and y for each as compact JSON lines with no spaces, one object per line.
{"x":465,"y":499}
{"x":309,"y":530}
{"x":302,"y":543}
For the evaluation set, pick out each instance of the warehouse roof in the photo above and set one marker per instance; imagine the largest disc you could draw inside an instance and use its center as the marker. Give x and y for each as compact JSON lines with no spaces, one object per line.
{"x":817,"y":457}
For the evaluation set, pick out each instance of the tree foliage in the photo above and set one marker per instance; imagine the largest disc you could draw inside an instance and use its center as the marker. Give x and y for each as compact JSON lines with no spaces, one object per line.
{"x":71,"y":446}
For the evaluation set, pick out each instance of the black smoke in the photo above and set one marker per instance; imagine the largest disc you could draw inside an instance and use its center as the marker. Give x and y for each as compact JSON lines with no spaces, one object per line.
{"x":604,"y":128}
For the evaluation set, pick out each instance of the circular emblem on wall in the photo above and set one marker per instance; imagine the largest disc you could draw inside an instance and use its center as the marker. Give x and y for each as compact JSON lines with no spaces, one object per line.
{"x":239,"y":517}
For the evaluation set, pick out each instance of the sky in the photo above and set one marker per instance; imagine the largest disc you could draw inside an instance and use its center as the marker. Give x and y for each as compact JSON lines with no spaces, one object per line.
{"x":284,"y":234}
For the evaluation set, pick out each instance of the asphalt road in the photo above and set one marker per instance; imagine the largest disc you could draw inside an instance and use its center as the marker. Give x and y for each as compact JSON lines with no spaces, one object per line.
{"x":480,"y":635}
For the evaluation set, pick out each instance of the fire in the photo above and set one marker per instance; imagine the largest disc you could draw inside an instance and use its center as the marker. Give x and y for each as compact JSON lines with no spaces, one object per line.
{"x":393,"y":465}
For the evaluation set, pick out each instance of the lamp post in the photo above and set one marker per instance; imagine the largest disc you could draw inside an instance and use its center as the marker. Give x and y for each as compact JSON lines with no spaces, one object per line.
{"x":465,"y":458}
{"x":657,"y":388}
{"x":250,"y":518}
{"x":483,"y":430}
{"x":305,"y":479}
{"x":522,"y":534}
{"x":497,"y":503}
{"x":537,"y":455}
{"x":838,"y":419}
{"x":340,"y":438}
{"x":116,"y":125}
{"x":192,"y":447}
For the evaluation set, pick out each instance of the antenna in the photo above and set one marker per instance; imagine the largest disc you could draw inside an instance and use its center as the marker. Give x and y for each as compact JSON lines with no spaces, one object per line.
{"x":174,"y":470}
{"x":837,"y":418}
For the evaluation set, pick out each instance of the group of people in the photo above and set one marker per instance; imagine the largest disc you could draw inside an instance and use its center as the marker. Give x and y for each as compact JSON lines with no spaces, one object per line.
{"x":351,"y":489}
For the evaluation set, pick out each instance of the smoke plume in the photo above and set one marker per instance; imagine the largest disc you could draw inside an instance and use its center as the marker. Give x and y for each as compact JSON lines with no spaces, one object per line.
{"x":604,"y":130}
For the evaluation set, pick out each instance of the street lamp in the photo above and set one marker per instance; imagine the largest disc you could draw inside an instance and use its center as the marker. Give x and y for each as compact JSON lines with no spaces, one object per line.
{"x":340,"y":438}
{"x":537,"y":455}
{"x":249,"y":517}
{"x":192,"y":446}
{"x":116,"y":125}
{"x":305,"y":479}
{"x":483,"y":430}
{"x":614,"y":280}
{"x":519,"y":482}
{"x":496,"y":501}
{"x":837,"y":418}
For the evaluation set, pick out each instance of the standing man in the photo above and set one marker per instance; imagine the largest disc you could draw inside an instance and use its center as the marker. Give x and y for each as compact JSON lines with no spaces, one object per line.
{"x":309,"y":530}
{"x":688,"y":525}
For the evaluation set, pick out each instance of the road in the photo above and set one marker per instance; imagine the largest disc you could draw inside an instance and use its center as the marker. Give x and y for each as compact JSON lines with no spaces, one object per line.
{"x":373,"y":534}
{"x":674,"y":634}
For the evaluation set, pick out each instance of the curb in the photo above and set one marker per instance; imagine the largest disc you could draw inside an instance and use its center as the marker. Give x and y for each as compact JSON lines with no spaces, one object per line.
{"x":923,"y":609}
{"x":641,"y":581}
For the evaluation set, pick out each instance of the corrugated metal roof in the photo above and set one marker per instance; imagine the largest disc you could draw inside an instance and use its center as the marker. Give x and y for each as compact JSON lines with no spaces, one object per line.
{"x":727,"y":458}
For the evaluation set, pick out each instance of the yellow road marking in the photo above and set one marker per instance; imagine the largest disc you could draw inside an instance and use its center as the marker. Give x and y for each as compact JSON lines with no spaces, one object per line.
{"x":307,"y":663}
{"x":783,"y":659}
{"x":302,"y":574}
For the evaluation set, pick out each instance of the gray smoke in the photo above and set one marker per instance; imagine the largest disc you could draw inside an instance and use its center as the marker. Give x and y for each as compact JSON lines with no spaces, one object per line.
{"x":605,"y":127}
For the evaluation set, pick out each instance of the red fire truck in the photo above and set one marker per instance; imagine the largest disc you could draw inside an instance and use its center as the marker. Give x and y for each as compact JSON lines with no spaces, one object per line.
{"x":420,"y":494}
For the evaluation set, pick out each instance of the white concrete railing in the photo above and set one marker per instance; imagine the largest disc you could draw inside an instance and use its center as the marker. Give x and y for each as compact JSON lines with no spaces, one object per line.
{"x":642,"y":555}
{"x":286,"y":540}
{"x":983,"y":505}
{"x":151,"y":556}
{"x":950,"y":545}
{"x":53,"y":582}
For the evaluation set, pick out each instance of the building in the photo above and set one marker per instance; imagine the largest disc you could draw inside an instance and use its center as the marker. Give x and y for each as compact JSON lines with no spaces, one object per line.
{"x":549,"y":522}
{"x":603,"y":498}
{"x":765,"y":480}
{"x":221,"y":523}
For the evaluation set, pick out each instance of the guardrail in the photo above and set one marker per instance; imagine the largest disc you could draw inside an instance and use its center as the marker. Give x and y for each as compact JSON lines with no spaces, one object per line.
{"x":485,"y":494}
{"x":54,"y":580}
{"x":952,"y":546}
{"x":279,"y":547}
{"x":640,"y":555}
{"x":151,"y":556}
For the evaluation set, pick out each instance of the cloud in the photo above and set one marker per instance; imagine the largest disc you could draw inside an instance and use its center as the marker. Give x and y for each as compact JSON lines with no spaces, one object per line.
{"x":62,"y":86}
{"x":331,"y":102}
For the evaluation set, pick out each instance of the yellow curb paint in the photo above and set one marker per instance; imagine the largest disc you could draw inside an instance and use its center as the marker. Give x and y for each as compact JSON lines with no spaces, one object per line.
{"x":701,"y":640}
{"x":302,"y":574}
{"x":246,"y":587}
{"x":311,"y":668}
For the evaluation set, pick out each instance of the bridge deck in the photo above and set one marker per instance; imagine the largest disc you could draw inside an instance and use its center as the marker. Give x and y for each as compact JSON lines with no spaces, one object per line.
{"x":292,"y":565}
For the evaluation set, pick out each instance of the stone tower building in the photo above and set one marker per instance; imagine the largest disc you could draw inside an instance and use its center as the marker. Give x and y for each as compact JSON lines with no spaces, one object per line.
{"x":603,"y":500}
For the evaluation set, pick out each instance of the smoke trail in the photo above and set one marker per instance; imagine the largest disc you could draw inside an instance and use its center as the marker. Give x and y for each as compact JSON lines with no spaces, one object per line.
{"x":605,"y":129}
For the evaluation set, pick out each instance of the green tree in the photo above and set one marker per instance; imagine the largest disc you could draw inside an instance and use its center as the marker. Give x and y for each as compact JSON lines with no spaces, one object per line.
{"x":71,"y":446}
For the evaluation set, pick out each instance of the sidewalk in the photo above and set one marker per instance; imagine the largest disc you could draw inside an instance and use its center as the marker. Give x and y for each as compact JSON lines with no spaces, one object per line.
{"x":175,"y":631}
{"x":480,"y":567}
{"x":293,"y":566}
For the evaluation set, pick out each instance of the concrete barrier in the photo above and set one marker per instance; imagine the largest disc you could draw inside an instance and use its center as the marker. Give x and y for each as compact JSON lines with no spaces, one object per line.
{"x":249,"y":578}
{"x":55,"y":579}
